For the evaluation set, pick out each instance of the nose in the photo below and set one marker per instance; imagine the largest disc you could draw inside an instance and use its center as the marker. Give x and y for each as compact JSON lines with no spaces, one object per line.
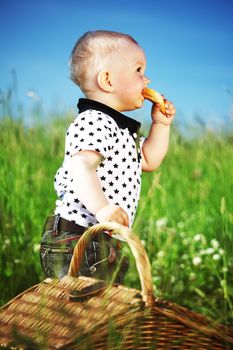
{"x":146,"y":80}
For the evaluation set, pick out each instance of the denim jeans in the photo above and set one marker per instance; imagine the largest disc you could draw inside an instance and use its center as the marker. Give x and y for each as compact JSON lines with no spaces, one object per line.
{"x":56,"y":252}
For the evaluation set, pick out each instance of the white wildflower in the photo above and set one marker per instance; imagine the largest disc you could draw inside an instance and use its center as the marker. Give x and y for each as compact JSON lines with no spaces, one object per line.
{"x":7,"y":242}
{"x":182,"y":234}
{"x":221,"y":251}
{"x":185,"y":257}
{"x":173,"y":279}
{"x":214,"y":243}
{"x":202,"y":252}
{"x":216,"y":257}
{"x":223,"y":283}
{"x":143,"y":242}
{"x":160,"y":254}
{"x":199,"y":237}
{"x":209,"y":251}
{"x":16,"y":261}
{"x":182,"y":266}
{"x":161,"y":222}
{"x":192,"y":276}
{"x":196,"y":260}
{"x":186,"y":241}
{"x":36,"y":248}
{"x":156,"y":279}
{"x":180,"y":224}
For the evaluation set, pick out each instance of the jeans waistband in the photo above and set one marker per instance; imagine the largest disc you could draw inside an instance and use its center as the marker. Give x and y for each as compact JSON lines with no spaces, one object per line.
{"x":57,"y":224}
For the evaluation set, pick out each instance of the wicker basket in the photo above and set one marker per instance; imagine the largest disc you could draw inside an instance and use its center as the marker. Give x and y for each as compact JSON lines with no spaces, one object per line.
{"x":84,"y":313}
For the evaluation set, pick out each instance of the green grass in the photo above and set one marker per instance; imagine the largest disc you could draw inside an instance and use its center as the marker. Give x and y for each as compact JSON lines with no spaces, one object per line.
{"x":186,"y":221}
{"x":185,"y":214}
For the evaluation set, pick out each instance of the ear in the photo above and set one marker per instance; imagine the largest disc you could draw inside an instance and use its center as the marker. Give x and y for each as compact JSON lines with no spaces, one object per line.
{"x":105,"y":81}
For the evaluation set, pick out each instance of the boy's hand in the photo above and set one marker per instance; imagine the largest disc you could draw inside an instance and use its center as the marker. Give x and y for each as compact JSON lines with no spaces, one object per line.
{"x":160,"y":118}
{"x":112,"y":213}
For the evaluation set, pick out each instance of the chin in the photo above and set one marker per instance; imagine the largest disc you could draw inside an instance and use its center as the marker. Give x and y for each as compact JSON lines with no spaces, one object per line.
{"x":136,"y":106}
{"x":139,"y":104}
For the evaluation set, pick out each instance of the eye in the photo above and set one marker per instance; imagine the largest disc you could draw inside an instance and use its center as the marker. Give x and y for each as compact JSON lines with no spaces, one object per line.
{"x":139,"y":69}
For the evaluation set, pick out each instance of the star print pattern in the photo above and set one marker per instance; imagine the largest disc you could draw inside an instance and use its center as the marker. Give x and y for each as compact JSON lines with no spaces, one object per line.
{"x":119,"y":172}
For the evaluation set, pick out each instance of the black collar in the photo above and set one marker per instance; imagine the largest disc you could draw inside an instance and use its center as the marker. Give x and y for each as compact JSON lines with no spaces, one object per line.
{"x":122,"y":120}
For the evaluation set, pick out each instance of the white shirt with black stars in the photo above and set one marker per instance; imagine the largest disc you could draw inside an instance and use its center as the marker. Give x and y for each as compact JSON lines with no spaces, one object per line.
{"x":105,"y":130}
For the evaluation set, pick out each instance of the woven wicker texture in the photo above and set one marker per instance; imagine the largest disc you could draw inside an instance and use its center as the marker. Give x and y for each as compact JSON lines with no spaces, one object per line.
{"x":114,"y":317}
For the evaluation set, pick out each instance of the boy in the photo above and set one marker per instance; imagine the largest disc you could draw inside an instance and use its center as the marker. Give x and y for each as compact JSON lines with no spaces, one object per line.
{"x":100,"y":177}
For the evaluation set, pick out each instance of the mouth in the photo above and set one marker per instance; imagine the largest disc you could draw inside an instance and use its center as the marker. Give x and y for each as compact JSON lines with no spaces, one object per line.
{"x":142,"y":93}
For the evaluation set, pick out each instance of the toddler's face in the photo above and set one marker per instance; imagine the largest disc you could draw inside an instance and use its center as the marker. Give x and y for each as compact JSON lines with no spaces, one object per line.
{"x":128,"y":71}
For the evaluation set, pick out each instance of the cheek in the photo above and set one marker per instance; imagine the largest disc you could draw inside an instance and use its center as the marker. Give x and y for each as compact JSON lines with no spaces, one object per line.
{"x":139,"y":81}
{"x":135,"y":89}
{"x":138,"y":86}
{"x":130,"y":86}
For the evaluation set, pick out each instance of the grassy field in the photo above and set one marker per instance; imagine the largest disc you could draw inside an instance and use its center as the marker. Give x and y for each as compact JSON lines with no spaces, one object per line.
{"x":185,"y":215}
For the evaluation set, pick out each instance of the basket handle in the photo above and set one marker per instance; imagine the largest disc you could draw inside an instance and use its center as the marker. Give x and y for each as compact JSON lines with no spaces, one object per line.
{"x":138,"y":251}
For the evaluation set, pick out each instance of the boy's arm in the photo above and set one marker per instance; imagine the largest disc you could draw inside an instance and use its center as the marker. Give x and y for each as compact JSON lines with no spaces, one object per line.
{"x":156,"y":144}
{"x":88,"y":188}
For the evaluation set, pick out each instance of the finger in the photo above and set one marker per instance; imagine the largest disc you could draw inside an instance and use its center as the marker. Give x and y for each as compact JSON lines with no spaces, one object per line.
{"x":171,"y":112}
{"x":122,"y":220}
{"x":155,"y":108}
{"x":168,"y":104}
{"x":125,"y":219}
{"x":116,"y":218}
{"x":170,"y":108}
{"x":119,"y":220}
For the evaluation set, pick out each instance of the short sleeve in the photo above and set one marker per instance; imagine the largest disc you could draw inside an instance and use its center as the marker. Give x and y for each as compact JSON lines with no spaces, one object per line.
{"x":142,"y":139}
{"x":93,"y":131}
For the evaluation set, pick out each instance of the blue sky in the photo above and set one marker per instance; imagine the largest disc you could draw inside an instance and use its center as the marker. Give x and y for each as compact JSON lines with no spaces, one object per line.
{"x":188,"y":44}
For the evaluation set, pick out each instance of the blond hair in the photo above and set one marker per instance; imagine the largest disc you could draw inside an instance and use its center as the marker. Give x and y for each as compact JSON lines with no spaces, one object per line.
{"x":91,"y":52}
